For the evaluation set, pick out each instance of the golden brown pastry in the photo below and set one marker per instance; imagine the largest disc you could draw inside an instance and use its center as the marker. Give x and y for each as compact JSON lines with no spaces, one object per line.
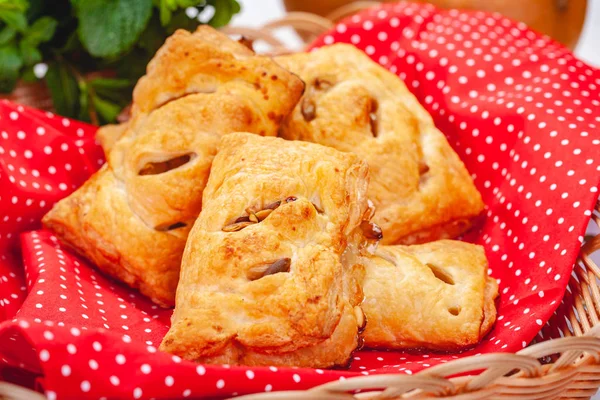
{"x":267,"y":276}
{"x":436,"y":295}
{"x":132,"y":217}
{"x":108,"y":135}
{"x":421,"y":189}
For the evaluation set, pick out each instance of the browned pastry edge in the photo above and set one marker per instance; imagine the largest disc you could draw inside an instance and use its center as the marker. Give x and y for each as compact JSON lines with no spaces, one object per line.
{"x":489,"y":307}
{"x":108,"y":135}
{"x":488,"y":320}
{"x":106,"y":263}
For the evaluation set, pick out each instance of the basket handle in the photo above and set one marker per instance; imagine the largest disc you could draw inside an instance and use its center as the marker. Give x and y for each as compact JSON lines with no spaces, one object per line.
{"x":10,"y":391}
{"x":310,"y":25}
{"x":349,"y":9}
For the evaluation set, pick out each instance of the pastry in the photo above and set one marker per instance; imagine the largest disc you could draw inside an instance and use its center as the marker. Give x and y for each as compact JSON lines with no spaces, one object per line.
{"x":132,"y":217}
{"x":436,"y":295}
{"x":421,"y":189}
{"x":268,"y":274}
{"x":108,"y":135}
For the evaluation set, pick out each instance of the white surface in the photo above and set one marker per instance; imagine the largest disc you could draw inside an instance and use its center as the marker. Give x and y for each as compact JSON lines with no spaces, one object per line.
{"x":588,"y":48}
{"x":256,"y":12}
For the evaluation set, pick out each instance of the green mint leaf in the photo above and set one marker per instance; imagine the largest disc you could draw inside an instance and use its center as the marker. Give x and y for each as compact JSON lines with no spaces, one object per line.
{"x":224,"y":10}
{"x":107,"y":110}
{"x":64,"y":89}
{"x":14,"y":19}
{"x":7,"y":34}
{"x":168,"y":7}
{"x":165,"y":12}
{"x":84,"y":102}
{"x":235,"y":6}
{"x":10,"y":64}
{"x":110,"y":84}
{"x":108,"y":28}
{"x":116,"y":90}
{"x":30,"y":54}
{"x":189,"y":3}
{"x":180,"y":20}
{"x":14,"y":5}
{"x":40,"y":31}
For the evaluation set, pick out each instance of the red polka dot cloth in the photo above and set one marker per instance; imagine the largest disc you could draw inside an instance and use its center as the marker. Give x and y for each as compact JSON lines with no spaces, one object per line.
{"x":519,"y":109}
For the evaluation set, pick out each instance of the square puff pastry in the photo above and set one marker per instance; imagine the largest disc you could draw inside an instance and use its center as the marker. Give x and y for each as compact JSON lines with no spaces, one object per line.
{"x":266,"y":277}
{"x":132,"y":217}
{"x":421,"y":189}
{"x":436,"y":295}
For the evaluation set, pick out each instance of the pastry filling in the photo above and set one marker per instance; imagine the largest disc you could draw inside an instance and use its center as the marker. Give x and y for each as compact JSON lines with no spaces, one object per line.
{"x":454,"y":310}
{"x":254,"y":217}
{"x":246,"y":41}
{"x":270,"y":268}
{"x":374,"y":105}
{"x":170,"y":227}
{"x":160,"y":167}
{"x":423,"y":172}
{"x":322,"y":84}
{"x":361,"y":319}
{"x":371,"y":231}
{"x":308,"y":109}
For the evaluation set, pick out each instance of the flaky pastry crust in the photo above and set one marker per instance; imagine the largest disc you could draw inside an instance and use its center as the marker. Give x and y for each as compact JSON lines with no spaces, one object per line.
{"x":108,"y":135}
{"x":309,"y":202}
{"x":436,"y":295}
{"x":132,"y":217}
{"x":421,"y":189}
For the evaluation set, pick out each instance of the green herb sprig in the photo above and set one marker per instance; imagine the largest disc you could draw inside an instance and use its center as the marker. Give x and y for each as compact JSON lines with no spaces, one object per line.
{"x":95,"y":50}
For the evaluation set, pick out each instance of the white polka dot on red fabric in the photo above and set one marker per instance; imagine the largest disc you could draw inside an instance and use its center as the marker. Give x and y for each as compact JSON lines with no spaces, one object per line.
{"x":65,"y":370}
{"x":44,"y":355}
{"x":85,"y":386}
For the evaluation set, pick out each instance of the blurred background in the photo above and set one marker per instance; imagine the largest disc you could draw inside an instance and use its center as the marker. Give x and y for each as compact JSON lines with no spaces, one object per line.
{"x":568,"y":21}
{"x":67,"y":57}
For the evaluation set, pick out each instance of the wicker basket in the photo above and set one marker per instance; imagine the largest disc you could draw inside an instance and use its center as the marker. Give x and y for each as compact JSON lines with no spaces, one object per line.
{"x":563,"y":364}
